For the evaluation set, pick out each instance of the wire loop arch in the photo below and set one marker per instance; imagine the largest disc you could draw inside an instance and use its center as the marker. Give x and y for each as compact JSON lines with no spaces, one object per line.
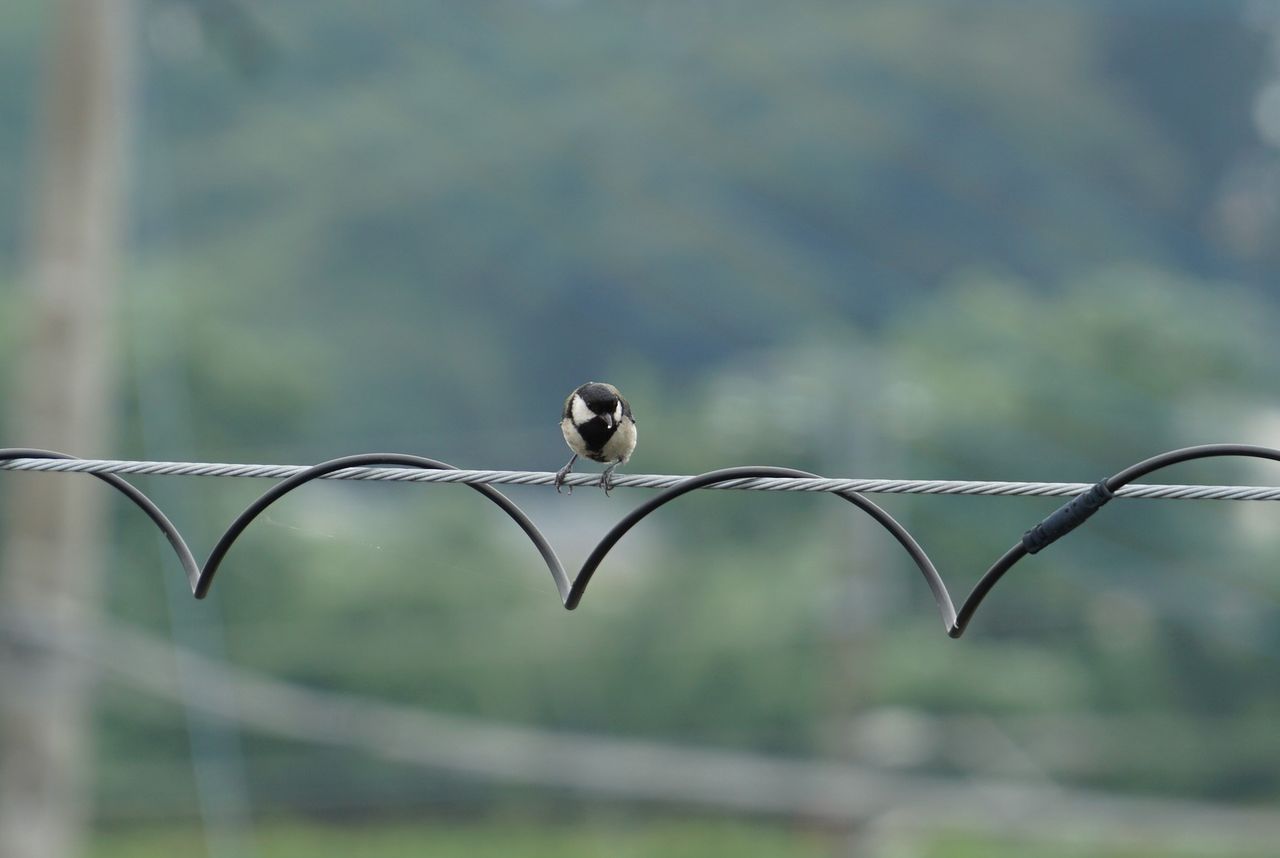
{"x":146,"y":504}
{"x":724,"y":475}
{"x":279,"y":490}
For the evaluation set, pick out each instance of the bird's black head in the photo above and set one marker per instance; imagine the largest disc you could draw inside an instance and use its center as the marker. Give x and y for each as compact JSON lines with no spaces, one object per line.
{"x":600,"y":398}
{"x":596,"y":403}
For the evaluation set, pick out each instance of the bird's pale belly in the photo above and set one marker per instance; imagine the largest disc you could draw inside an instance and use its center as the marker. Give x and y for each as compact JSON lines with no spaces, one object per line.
{"x":619,"y":447}
{"x":616,"y":447}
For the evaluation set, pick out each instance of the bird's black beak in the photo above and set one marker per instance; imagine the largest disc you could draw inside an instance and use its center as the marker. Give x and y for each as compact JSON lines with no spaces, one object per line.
{"x":608,"y":421}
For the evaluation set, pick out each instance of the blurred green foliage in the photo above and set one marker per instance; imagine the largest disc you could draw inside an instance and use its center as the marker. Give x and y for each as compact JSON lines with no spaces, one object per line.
{"x":917,"y":239}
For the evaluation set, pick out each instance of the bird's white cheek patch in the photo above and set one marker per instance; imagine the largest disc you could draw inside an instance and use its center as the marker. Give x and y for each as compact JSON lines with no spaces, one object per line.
{"x":617,"y":413}
{"x":579,"y":411}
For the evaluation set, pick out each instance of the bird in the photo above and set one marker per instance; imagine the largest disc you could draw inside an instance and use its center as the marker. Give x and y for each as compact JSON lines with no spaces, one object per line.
{"x":597,"y":423}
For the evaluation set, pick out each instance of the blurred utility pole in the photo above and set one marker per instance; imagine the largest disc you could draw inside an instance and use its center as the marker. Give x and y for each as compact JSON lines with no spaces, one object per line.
{"x":861,"y":559}
{"x":52,"y":548}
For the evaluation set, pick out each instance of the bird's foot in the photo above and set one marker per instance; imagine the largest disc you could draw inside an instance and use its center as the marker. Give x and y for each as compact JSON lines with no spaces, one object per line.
{"x":606,"y":479}
{"x":560,"y":475}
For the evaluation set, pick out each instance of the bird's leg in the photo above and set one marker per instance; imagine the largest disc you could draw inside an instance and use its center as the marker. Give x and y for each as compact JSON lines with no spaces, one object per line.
{"x":564,"y":472}
{"x":606,"y":479}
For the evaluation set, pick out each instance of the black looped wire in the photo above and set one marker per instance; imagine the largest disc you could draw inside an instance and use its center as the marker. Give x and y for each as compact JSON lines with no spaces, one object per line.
{"x":146,"y":504}
{"x":1112,"y":485}
{"x":281,"y":489}
{"x":1058,"y":524}
{"x":724,"y":475}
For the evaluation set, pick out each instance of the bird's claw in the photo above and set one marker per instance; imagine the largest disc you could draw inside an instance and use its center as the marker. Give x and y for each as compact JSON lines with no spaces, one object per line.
{"x":559,"y":481}
{"x":606,"y":479}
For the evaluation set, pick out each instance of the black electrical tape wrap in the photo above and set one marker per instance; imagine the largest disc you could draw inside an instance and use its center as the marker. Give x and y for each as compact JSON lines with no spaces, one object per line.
{"x":1066,"y":518}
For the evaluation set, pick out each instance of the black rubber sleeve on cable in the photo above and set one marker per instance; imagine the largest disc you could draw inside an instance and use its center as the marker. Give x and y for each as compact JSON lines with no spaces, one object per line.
{"x":1066,"y":518}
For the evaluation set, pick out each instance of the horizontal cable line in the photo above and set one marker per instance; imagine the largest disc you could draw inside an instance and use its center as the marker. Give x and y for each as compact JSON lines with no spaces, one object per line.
{"x":1085,"y":500}
{"x":644,"y":481}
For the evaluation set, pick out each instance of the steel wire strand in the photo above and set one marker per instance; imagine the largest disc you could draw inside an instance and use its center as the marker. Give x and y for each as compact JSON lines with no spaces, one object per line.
{"x":985,"y":488}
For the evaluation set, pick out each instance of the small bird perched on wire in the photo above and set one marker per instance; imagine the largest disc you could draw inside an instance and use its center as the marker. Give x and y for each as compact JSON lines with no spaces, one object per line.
{"x":597,"y":423}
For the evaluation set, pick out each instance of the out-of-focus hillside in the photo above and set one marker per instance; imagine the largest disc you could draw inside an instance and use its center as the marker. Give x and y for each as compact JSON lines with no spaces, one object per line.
{"x":920,"y":239}
{"x":574,"y":188}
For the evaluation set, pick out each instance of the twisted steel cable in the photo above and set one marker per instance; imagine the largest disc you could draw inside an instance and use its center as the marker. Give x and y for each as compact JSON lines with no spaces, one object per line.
{"x":1086,"y":499}
{"x":635,"y":481}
